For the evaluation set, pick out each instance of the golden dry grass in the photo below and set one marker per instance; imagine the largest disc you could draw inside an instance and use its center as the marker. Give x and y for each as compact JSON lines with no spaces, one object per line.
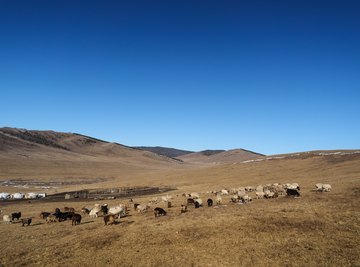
{"x":318,"y":229}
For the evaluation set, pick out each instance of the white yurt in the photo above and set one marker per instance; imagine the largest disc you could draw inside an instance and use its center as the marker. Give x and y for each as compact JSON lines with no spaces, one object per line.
{"x":17,"y":196}
{"x":4,"y":195}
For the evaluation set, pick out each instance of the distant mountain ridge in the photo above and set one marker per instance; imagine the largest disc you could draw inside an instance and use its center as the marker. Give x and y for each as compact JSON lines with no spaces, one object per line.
{"x":165,"y":151}
{"x":221,"y":156}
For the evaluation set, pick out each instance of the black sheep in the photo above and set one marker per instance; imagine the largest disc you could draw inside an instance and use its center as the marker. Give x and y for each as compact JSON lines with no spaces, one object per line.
{"x":159,"y":212}
{"x":292,"y":192}
{"x":15,"y":215}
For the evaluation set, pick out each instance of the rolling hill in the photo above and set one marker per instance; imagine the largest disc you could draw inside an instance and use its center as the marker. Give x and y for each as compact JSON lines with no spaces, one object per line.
{"x":220,"y":156}
{"x":165,"y":151}
{"x":49,"y":154}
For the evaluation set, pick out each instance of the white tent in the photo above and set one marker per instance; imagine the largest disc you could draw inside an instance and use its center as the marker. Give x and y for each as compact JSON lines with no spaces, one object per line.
{"x":4,"y":195}
{"x":30,"y":195}
{"x":17,"y":196}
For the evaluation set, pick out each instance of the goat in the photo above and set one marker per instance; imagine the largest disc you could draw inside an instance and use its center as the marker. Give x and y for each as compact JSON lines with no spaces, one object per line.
{"x":183,"y":208}
{"x":75,"y":219}
{"x":26,"y":221}
{"x":109,"y":219}
{"x":44,"y":214}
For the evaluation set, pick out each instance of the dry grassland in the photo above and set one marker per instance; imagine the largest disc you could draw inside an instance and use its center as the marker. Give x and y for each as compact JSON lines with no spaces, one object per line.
{"x":317,"y":229}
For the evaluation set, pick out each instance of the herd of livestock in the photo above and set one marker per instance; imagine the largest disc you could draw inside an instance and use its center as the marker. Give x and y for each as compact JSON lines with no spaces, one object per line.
{"x":241,"y":195}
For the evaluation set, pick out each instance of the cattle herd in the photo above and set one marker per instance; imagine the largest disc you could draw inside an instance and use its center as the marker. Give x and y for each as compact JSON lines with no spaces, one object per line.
{"x":112,"y":215}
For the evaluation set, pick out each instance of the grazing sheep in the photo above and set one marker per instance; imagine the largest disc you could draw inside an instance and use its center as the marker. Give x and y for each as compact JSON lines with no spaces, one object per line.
{"x":293,"y":186}
{"x":95,"y":210}
{"x":270,"y":194}
{"x":198,"y":203}
{"x":51,"y":218}
{"x":44,"y":214}
{"x":218,"y":199}
{"x":323,"y":187}
{"x":15,"y":215}
{"x":166,"y":198}
{"x":183,"y":208}
{"x":159,"y":212}
{"x":67,"y":209}
{"x":224,"y":192}
{"x":7,"y":219}
{"x":142,"y":208}
{"x":109,"y":219}
{"x":209,"y":202}
{"x":260,"y":195}
{"x":135,"y":206}
{"x":246,"y":199}
{"x":292,"y":192}
{"x":26,"y":221}
{"x":154,"y":200}
{"x":234,"y":198}
{"x":119,"y":210}
{"x":326,"y":188}
{"x":75,"y":219}
{"x":194,"y":195}
{"x":249,"y":188}
{"x":85,"y":210}
{"x":190,"y":201}
{"x":104,"y":210}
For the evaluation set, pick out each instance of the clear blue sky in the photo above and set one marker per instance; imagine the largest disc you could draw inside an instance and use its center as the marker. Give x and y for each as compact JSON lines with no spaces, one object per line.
{"x":269,"y":76}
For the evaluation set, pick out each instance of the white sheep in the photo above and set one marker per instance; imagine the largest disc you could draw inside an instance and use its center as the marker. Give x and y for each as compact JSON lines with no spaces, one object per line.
{"x":7,"y":219}
{"x":194,"y":195}
{"x":326,"y":188}
{"x":198,"y":202}
{"x":118,"y":210}
{"x":95,"y":210}
{"x":218,"y":199}
{"x":224,"y":192}
{"x":142,"y":208}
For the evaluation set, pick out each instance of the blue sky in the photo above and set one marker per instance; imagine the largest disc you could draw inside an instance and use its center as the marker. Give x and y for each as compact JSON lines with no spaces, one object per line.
{"x":268,"y":76}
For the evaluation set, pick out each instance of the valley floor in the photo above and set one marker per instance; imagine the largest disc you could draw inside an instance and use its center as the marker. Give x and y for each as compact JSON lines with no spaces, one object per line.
{"x":317,"y":229}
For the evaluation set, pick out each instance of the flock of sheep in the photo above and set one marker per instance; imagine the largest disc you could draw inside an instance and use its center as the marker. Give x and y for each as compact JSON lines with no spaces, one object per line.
{"x":241,"y":195}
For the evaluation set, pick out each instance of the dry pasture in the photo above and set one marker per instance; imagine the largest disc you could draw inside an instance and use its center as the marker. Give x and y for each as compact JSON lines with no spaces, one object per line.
{"x":317,"y":229}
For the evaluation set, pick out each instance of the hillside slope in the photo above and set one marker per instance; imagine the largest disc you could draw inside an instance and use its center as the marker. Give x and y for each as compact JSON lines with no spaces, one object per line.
{"x":25,"y":153}
{"x":165,"y":151}
{"x":220,"y":156}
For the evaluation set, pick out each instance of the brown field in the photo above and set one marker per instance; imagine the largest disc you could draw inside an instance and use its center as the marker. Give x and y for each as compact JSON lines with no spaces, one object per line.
{"x":317,"y":229}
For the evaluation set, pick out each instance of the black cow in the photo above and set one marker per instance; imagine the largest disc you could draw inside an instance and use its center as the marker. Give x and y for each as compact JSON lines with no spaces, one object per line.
{"x":159,"y":212}
{"x":210,"y":202}
{"x":292,"y":192}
